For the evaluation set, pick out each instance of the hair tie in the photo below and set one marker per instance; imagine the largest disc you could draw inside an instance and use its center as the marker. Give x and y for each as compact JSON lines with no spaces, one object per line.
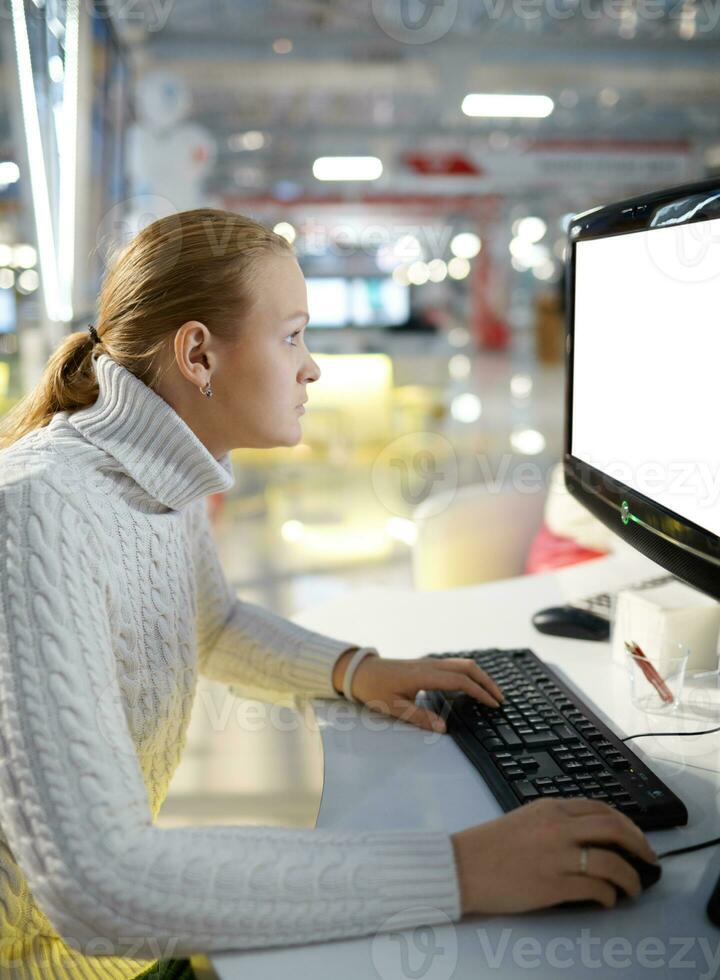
{"x":93,"y":334}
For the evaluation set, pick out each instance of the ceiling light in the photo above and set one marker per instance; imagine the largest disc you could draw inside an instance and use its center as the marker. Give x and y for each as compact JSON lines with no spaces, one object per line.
{"x":253,"y":139}
{"x":347,"y":168}
{"x":508,"y":106}
{"x":9,"y":172}
{"x":282,"y":45}
{"x":458,"y":268}
{"x":521,"y":385}
{"x":528,"y":253}
{"x":459,"y":366}
{"x":7,"y":279}
{"x":530,"y":229}
{"x":466,"y":245}
{"x":28,"y":281}
{"x":400,"y":275}
{"x":286,"y":230}
{"x":24,"y":256}
{"x":544,"y":270}
{"x":466,"y":408}
{"x":608,"y":97}
{"x":437,"y":270}
{"x":418,"y":273}
{"x":292,"y":530}
{"x":529,"y":442}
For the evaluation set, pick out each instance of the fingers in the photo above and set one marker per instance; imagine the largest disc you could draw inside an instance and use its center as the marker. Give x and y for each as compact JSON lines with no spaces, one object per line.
{"x":451,"y":680}
{"x":413,"y":713}
{"x":612,"y":828}
{"x":583,"y":888}
{"x":469,"y":667}
{"x":611,"y":867}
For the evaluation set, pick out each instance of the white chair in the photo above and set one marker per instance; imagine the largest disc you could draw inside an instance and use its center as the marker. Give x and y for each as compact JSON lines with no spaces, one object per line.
{"x":477,"y":533}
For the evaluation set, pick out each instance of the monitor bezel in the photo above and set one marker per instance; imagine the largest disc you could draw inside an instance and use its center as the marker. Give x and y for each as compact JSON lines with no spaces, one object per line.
{"x":688,"y":550}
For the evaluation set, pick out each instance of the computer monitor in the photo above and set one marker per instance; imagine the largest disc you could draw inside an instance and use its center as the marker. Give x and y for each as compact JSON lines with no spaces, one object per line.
{"x":642,"y":440}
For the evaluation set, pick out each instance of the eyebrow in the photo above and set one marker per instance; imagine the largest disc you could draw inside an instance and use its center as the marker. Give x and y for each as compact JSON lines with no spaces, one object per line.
{"x":301,"y":314}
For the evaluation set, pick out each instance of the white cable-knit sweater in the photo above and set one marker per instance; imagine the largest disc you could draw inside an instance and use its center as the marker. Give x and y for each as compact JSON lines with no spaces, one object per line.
{"x":112,"y":599}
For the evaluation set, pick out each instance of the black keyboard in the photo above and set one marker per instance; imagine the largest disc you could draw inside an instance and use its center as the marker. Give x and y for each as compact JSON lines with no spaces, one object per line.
{"x":544,"y":741}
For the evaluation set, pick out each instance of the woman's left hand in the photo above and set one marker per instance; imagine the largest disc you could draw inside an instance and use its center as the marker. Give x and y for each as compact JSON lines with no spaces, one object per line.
{"x":390,"y":686}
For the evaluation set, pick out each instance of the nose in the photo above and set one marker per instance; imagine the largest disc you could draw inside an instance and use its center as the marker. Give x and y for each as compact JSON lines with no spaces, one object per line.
{"x":312,"y":371}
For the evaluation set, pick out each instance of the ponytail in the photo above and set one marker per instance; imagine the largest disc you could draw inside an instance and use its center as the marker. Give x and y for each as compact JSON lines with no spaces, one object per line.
{"x":67,"y":384}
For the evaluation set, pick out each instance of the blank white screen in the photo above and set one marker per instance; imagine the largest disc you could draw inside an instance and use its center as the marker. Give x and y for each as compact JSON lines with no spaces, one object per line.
{"x":646,"y":365}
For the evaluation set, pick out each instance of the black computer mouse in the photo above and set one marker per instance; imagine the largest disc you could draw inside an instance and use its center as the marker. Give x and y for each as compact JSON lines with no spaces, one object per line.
{"x":579,"y":624}
{"x":649,"y":873}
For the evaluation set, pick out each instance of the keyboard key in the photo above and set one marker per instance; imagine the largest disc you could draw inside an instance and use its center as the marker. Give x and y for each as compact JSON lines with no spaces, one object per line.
{"x":537,"y":739}
{"x":493,"y":743}
{"x":508,"y":735}
{"x":515,"y":773}
{"x":525,"y":791}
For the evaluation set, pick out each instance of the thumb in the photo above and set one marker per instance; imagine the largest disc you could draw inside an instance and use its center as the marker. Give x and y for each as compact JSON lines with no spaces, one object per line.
{"x":416,"y":715}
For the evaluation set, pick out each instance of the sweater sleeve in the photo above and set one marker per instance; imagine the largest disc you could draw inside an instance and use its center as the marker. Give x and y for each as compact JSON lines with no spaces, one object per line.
{"x":74,"y":806}
{"x":242,"y":643}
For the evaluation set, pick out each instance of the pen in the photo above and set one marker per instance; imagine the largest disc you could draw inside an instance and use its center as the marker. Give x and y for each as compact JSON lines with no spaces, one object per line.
{"x":648,"y":669}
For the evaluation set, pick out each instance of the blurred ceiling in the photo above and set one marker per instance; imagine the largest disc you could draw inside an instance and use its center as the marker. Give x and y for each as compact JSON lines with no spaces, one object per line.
{"x":618,"y":70}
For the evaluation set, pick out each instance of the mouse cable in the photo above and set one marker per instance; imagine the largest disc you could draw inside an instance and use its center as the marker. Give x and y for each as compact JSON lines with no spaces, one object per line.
{"x":706,"y":731}
{"x":692,"y":847}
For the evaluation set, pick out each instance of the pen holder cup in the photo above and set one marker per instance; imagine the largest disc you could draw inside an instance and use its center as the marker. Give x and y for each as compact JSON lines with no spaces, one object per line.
{"x":656,"y":684}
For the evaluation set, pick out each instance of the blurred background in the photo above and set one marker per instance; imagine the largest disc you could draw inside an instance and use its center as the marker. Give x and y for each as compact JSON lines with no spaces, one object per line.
{"x":424,"y":159}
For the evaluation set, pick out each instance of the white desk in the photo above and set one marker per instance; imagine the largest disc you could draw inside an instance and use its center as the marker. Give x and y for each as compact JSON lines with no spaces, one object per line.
{"x":383,"y":774}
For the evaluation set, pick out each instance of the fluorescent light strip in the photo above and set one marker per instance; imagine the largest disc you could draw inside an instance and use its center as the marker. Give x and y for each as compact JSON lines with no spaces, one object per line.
{"x":347,"y":168}
{"x":507,"y":106}
{"x":68,"y":159}
{"x":36,"y":164}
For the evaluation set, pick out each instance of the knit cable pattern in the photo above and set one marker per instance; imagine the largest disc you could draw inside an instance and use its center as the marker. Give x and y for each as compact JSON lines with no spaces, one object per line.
{"x":112,"y":600}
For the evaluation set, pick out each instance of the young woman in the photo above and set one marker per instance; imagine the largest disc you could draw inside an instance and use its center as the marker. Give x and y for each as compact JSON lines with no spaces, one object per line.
{"x":113,"y":600}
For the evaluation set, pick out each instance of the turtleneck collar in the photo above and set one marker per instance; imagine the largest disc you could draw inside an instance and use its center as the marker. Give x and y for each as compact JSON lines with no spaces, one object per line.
{"x":149,"y":439}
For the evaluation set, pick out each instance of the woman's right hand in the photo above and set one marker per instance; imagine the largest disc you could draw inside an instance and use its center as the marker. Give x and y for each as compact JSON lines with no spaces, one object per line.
{"x":530,"y":858}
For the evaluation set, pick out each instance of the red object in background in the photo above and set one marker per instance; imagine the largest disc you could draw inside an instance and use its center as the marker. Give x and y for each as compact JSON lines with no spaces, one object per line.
{"x":549,"y":551}
{"x":442,"y":164}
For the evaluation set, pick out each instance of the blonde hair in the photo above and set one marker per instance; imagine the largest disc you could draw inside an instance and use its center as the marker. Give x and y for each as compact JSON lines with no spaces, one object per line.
{"x":194,"y":265}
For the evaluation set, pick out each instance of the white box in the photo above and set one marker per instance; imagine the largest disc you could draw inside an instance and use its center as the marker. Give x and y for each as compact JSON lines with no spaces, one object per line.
{"x":671,"y":613}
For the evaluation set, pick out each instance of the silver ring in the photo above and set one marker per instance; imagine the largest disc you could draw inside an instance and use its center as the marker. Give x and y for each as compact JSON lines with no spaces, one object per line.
{"x":583,"y":860}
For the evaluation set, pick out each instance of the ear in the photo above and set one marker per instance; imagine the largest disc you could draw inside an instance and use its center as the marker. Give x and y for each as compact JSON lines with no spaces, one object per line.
{"x":192,"y":352}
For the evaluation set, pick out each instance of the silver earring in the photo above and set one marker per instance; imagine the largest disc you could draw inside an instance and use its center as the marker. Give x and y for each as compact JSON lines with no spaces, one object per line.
{"x":207,"y":390}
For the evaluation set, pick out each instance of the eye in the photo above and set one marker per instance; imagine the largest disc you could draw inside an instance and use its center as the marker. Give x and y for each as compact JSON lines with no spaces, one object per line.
{"x":290,"y":336}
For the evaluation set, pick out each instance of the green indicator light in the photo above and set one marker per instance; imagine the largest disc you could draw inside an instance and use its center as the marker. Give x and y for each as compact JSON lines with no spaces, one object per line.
{"x":625,"y":514}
